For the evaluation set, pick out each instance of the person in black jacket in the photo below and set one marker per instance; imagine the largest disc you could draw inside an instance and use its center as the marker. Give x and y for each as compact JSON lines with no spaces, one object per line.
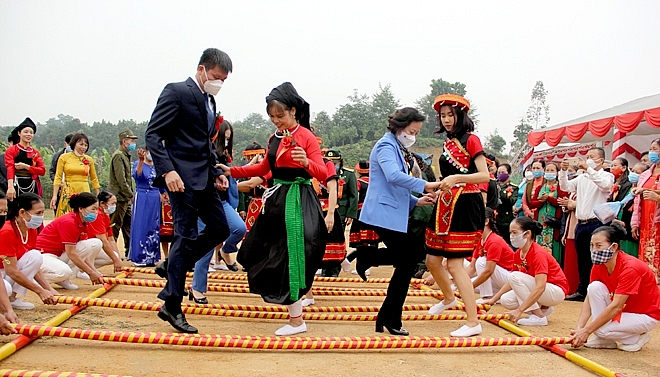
{"x":622,"y":187}
{"x":179,"y":139}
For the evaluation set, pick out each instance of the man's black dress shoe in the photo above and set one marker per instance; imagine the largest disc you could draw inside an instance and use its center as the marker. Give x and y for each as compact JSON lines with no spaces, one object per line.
{"x":161,"y":269}
{"x":177,"y":321}
{"x":577,"y":296}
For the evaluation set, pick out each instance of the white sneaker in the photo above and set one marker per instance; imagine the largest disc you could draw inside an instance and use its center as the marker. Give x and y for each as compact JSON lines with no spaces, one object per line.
{"x":466,"y":331}
{"x":82,"y":275}
{"x":533,"y":320}
{"x":307,"y":302}
{"x":598,"y":342}
{"x":211,"y":269}
{"x":290,"y":330}
{"x":67,"y":284}
{"x":346,"y":265}
{"x":441,"y":307}
{"x":367,"y":272}
{"x":482,"y":300}
{"x":548,"y":311}
{"x":22,"y":305}
{"x":318,"y":272}
{"x":643,"y":339}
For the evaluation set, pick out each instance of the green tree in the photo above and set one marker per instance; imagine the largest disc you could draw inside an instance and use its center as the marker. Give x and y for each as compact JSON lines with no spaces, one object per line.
{"x":520,"y":135}
{"x":495,"y":143}
{"x":538,"y":113}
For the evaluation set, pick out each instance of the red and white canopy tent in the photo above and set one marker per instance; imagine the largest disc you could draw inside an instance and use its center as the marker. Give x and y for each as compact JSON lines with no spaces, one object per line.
{"x":628,"y":129}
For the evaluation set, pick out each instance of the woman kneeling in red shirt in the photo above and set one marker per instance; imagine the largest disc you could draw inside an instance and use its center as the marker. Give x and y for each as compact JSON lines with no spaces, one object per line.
{"x":537,"y":283}
{"x":21,"y":261}
{"x":66,"y":249}
{"x":623,"y":299}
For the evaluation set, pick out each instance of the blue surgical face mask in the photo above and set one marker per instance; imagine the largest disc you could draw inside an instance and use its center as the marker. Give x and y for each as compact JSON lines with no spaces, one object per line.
{"x":131,"y":147}
{"x":111,"y":209}
{"x":90,"y":217}
{"x":538,"y":174}
{"x":550,"y":176}
{"x":633,"y":177}
{"x":654,"y":157}
{"x":35,"y":221}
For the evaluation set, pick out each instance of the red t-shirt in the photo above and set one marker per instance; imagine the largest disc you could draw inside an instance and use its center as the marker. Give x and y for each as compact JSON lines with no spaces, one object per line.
{"x":634,"y":278}
{"x":101,"y":225}
{"x":67,"y":229}
{"x":539,"y":261}
{"x":12,"y":244}
{"x":497,"y":250}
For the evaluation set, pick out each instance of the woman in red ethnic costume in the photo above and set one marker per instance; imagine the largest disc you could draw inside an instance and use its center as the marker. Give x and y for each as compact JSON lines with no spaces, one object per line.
{"x":24,"y":163}
{"x":457,"y":223}
{"x":286,"y":243}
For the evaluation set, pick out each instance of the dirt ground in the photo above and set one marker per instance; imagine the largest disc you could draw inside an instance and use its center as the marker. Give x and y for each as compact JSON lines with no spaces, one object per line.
{"x":61,"y":354}
{"x":148,"y":360}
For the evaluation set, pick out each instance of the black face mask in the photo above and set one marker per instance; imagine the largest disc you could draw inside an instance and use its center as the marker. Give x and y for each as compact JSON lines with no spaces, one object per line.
{"x":3,"y":218}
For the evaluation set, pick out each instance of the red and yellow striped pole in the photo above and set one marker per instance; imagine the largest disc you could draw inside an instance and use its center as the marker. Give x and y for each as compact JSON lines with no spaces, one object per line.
{"x":243,"y":277}
{"x":22,"y":341}
{"x":49,"y":373}
{"x":241,"y":288}
{"x":154,"y":306}
{"x":570,"y":355}
{"x":283,"y":343}
{"x":280,"y":315}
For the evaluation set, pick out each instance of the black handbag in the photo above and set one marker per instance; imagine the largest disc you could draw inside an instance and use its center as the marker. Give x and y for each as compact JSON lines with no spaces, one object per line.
{"x":552,"y":222}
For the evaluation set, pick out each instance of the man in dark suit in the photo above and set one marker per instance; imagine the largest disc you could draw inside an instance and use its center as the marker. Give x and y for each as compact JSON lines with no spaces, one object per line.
{"x":179,"y":139}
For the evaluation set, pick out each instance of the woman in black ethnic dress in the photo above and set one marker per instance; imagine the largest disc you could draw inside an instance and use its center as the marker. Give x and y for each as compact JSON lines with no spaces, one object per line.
{"x":286,"y":243}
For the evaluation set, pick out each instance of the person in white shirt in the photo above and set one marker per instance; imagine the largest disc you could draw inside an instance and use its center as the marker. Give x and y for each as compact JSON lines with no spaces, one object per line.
{"x":591,"y":188}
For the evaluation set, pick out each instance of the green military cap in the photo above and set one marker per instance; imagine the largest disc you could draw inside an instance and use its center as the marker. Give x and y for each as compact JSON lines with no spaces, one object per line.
{"x":333,"y":154}
{"x":128,"y":134}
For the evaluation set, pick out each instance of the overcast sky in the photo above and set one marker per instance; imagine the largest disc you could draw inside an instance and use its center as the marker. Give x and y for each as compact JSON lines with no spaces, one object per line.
{"x":109,"y":60}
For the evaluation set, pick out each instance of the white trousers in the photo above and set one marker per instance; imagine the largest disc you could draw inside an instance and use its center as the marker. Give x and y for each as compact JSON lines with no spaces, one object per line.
{"x":102,"y":259}
{"x":28,"y":265}
{"x":495,"y":282}
{"x":522,"y":286}
{"x":57,"y":269}
{"x":626,"y":331}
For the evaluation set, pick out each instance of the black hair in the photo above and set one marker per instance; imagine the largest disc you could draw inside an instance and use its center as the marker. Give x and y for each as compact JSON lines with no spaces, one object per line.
{"x":24,"y":201}
{"x":463,"y":122}
{"x":212,"y":57}
{"x":253,"y":146}
{"x":529,"y":224}
{"x":2,"y":194}
{"x":601,"y":151}
{"x":553,"y":163}
{"x":402,"y":119}
{"x":76,"y":138}
{"x":614,"y":232}
{"x":82,"y":200}
{"x":104,"y":196}
{"x":220,"y":141}
{"x":507,"y":166}
{"x":646,"y":153}
{"x":490,"y":216}
{"x":67,"y":138}
{"x":10,"y":139}
{"x":541,"y":161}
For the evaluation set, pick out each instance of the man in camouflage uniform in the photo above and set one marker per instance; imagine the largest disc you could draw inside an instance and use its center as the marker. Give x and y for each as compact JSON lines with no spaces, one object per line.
{"x":121,"y":184}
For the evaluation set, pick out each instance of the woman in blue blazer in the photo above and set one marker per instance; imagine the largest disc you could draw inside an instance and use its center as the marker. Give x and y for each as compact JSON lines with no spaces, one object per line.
{"x":386,"y":208}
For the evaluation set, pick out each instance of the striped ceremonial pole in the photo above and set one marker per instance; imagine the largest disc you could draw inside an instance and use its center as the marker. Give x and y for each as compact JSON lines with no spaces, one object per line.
{"x":243,"y":277}
{"x":284,"y":343}
{"x":279,"y":315}
{"x":154,"y":306}
{"x":49,"y":373}
{"x":22,"y":341}
{"x":569,"y":355}
{"x":320,"y":291}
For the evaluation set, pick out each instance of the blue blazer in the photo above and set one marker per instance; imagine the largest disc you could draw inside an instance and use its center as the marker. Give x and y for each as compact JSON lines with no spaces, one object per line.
{"x":389,"y":200}
{"x":179,"y":136}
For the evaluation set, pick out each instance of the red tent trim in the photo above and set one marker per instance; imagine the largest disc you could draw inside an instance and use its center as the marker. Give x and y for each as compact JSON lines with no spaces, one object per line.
{"x":599,"y":128}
